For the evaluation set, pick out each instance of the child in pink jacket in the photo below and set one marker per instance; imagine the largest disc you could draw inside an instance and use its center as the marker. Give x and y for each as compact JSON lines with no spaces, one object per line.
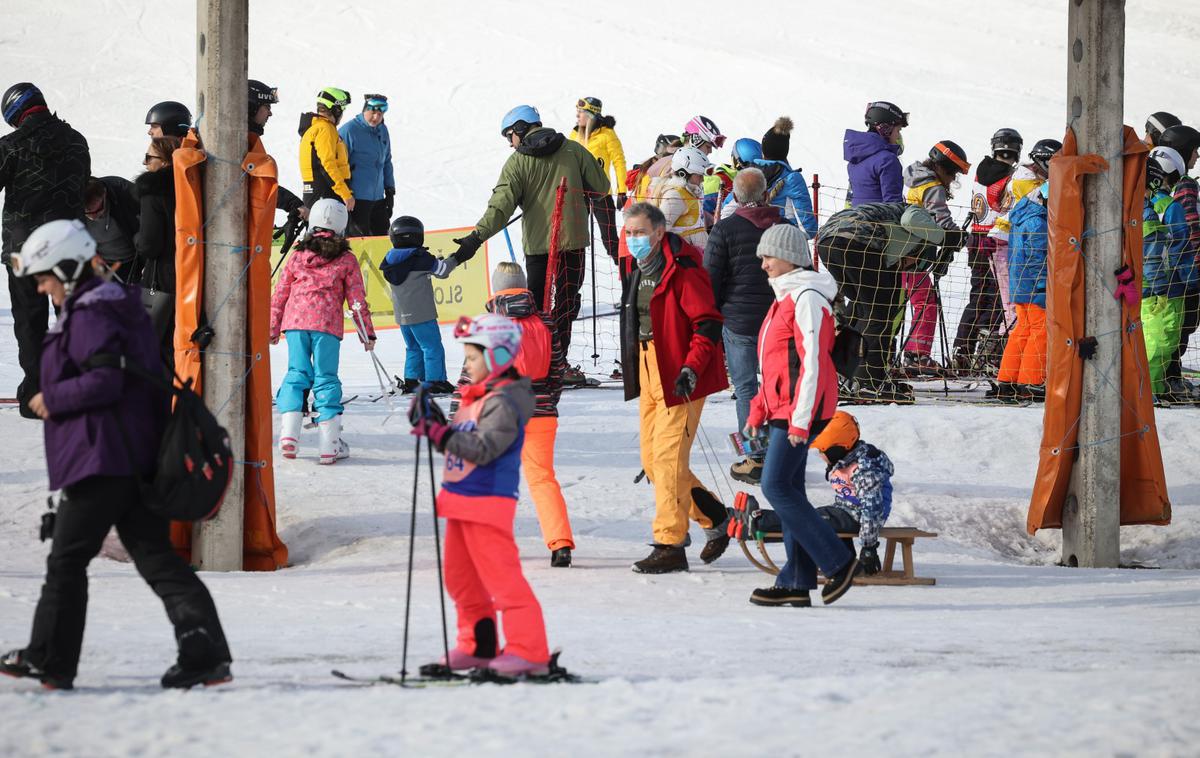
{"x":307,"y":306}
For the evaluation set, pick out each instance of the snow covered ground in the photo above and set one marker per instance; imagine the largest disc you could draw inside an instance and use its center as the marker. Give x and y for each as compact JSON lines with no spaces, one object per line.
{"x":1008,"y":654}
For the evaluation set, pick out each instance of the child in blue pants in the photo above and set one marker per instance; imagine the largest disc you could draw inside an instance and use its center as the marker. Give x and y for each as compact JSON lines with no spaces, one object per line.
{"x":307,"y":306}
{"x":408,"y":267}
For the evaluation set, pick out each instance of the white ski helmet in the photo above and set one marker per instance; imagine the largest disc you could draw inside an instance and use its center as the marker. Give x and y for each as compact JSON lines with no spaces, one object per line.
{"x":62,"y":248}
{"x":330,"y":215}
{"x":498,"y":336}
{"x":1164,"y":168}
{"x":689,"y":160}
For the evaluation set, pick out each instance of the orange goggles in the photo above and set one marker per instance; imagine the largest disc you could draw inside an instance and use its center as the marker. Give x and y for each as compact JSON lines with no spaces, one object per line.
{"x":962,"y":165}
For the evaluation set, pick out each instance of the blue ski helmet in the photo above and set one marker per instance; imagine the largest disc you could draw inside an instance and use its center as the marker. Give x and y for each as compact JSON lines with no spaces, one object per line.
{"x":519,"y":120}
{"x":746,"y":150}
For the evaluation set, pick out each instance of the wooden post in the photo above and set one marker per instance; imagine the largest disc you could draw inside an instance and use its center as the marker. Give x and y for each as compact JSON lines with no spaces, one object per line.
{"x":1095,"y":109}
{"x":221,"y":60}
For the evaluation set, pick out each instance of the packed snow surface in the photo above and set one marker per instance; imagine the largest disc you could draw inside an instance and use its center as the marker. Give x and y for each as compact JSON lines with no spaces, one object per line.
{"x":1007,"y":654}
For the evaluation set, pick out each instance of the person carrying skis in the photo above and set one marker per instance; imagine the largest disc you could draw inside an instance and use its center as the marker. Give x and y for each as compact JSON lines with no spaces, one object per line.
{"x":671,"y":359}
{"x":478,"y":499}
{"x":929,"y":183}
{"x":861,"y":477}
{"x":409,"y":268}
{"x":798,"y":396}
{"x":103,"y":428}
{"x":324,"y":161}
{"x":1168,"y":268}
{"x":307,"y":306}
{"x":981,"y":319}
{"x":369,"y":152}
{"x":541,"y":359}
{"x":873,"y":157}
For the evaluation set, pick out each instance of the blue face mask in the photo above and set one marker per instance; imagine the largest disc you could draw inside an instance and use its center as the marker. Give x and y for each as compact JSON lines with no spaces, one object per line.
{"x":639,"y":247}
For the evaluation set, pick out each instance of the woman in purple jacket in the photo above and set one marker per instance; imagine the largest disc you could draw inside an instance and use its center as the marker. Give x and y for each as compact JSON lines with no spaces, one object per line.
{"x":102,"y":433}
{"x":873,"y":157}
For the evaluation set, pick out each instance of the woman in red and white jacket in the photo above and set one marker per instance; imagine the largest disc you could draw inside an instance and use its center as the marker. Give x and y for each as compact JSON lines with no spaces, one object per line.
{"x":795,"y":401}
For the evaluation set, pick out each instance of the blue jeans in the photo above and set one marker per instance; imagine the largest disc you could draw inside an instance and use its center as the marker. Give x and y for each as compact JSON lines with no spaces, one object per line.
{"x":809,"y":540}
{"x":424,"y":356}
{"x":741,"y":356}
{"x":312,"y":364}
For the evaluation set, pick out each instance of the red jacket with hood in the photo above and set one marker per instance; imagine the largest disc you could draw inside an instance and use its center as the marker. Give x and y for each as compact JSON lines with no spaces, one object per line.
{"x":685,"y":321}
{"x":799,"y":387}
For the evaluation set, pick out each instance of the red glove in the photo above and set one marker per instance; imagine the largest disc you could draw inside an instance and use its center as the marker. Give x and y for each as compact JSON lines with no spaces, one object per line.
{"x":437,"y":432}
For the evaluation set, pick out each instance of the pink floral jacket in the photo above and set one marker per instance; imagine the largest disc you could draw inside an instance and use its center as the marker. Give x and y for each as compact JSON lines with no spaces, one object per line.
{"x":311,"y":291}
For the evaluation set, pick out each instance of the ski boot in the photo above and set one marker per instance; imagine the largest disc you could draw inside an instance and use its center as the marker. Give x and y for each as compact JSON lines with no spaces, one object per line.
{"x":407,"y":386}
{"x":514,"y":666}
{"x":441,"y":387}
{"x":740,"y":525}
{"x":778,"y":596}
{"x":561,"y":557}
{"x":333,"y":447}
{"x":180,"y":678}
{"x":14,"y":664}
{"x":289,"y":434}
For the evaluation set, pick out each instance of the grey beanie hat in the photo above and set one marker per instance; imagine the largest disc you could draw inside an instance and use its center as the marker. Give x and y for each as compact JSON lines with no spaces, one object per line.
{"x":787,"y":243}
{"x":508,"y":280}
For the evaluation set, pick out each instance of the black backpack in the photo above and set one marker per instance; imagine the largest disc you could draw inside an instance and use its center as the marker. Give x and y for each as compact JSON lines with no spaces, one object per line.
{"x":847,"y":342}
{"x":194,"y":463}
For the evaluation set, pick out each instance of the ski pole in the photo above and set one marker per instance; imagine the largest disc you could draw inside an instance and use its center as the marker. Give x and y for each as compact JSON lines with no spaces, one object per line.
{"x":437,"y":544}
{"x":592,"y":251}
{"x":412,"y":537}
{"x":508,"y":239}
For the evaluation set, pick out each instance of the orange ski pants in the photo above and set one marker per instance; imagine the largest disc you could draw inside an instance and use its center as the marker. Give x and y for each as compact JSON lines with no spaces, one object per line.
{"x":484,"y":577}
{"x":666,"y":445}
{"x":1024,"y":359}
{"x":537,"y":461}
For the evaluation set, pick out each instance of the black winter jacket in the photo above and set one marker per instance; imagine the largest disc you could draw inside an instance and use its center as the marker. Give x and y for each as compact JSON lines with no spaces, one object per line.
{"x":731,"y":257}
{"x":44,"y":167}
{"x":155,"y":240}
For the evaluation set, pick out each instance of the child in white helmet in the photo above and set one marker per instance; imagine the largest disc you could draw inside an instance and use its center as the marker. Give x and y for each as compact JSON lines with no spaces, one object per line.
{"x":307,"y":306}
{"x":478,"y":499}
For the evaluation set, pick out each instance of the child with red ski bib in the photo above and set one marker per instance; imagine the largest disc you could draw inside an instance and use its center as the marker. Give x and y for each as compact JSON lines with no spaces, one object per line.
{"x":478,"y":499}
{"x":307,"y":307}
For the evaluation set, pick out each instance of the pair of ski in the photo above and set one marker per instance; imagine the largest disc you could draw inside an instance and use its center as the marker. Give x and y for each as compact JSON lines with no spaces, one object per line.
{"x":439,"y":675}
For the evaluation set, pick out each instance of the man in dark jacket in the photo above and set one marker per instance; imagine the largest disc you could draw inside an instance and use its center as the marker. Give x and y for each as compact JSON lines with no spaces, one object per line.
{"x":529,"y":180}
{"x":742,"y":294}
{"x":110,"y":208}
{"x":671,"y":359}
{"x":260,"y":99}
{"x":867,"y":248}
{"x":44,"y":166}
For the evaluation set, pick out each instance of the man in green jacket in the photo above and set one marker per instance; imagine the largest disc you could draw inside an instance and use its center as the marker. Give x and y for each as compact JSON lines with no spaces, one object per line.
{"x":529,"y":179}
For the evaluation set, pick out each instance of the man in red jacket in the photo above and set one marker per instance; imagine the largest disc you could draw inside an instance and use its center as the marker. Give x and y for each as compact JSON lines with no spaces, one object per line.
{"x":671,"y":359}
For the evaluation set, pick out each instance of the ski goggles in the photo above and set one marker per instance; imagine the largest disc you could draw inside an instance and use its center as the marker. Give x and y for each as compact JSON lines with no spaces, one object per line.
{"x":962,"y":165}
{"x":589,"y":104}
{"x":376,"y":103}
{"x":696,"y":140}
{"x":465,"y":327}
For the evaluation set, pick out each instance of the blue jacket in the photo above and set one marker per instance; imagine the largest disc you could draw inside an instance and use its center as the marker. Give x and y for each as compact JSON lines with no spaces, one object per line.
{"x":862,"y":486}
{"x":873,"y":165}
{"x":785,"y":183}
{"x":1168,"y":266}
{"x":370,"y":153}
{"x":1027,"y":245}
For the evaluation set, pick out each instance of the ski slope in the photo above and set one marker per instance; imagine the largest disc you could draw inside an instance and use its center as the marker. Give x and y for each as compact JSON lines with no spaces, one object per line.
{"x":1008,"y":654}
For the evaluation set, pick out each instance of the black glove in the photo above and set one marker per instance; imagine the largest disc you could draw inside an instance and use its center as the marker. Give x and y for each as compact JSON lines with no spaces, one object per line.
{"x":620,"y":200}
{"x":423,"y":406}
{"x":868,"y":559}
{"x":685,"y":383}
{"x":389,"y":200}
{"x":467,"y":247}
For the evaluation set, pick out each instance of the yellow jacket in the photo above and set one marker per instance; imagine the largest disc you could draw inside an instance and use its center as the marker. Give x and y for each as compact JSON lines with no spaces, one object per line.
{"x":324,"y":161}
{"x":1023,"y":181}
{"x":606,"y":146}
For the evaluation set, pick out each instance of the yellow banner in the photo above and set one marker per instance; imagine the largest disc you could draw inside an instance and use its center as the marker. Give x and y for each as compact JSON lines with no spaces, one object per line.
{"x":463,"y":293}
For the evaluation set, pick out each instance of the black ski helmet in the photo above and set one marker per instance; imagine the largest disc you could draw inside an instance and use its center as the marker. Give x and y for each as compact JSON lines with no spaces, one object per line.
{"x":950,"y":155}
{"x":260,"y":94}
{"x":1159,"y":122}
{"x":1042,"y":151}
{"x":883,"y":112}
{"x":1007,"y":139}
{"x":174,"y":118}
{"x":407,"y":231}
{"x":19,"y":98}
{"x":1183,"y":138}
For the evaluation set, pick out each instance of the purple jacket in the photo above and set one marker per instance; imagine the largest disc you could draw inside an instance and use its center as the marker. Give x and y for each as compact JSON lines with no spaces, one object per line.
{"x":88,"y":409}
{"x":873,"y":164}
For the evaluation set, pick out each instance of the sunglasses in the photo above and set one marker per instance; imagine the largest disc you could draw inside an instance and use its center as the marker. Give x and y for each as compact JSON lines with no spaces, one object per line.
{"x":149,"y":157}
